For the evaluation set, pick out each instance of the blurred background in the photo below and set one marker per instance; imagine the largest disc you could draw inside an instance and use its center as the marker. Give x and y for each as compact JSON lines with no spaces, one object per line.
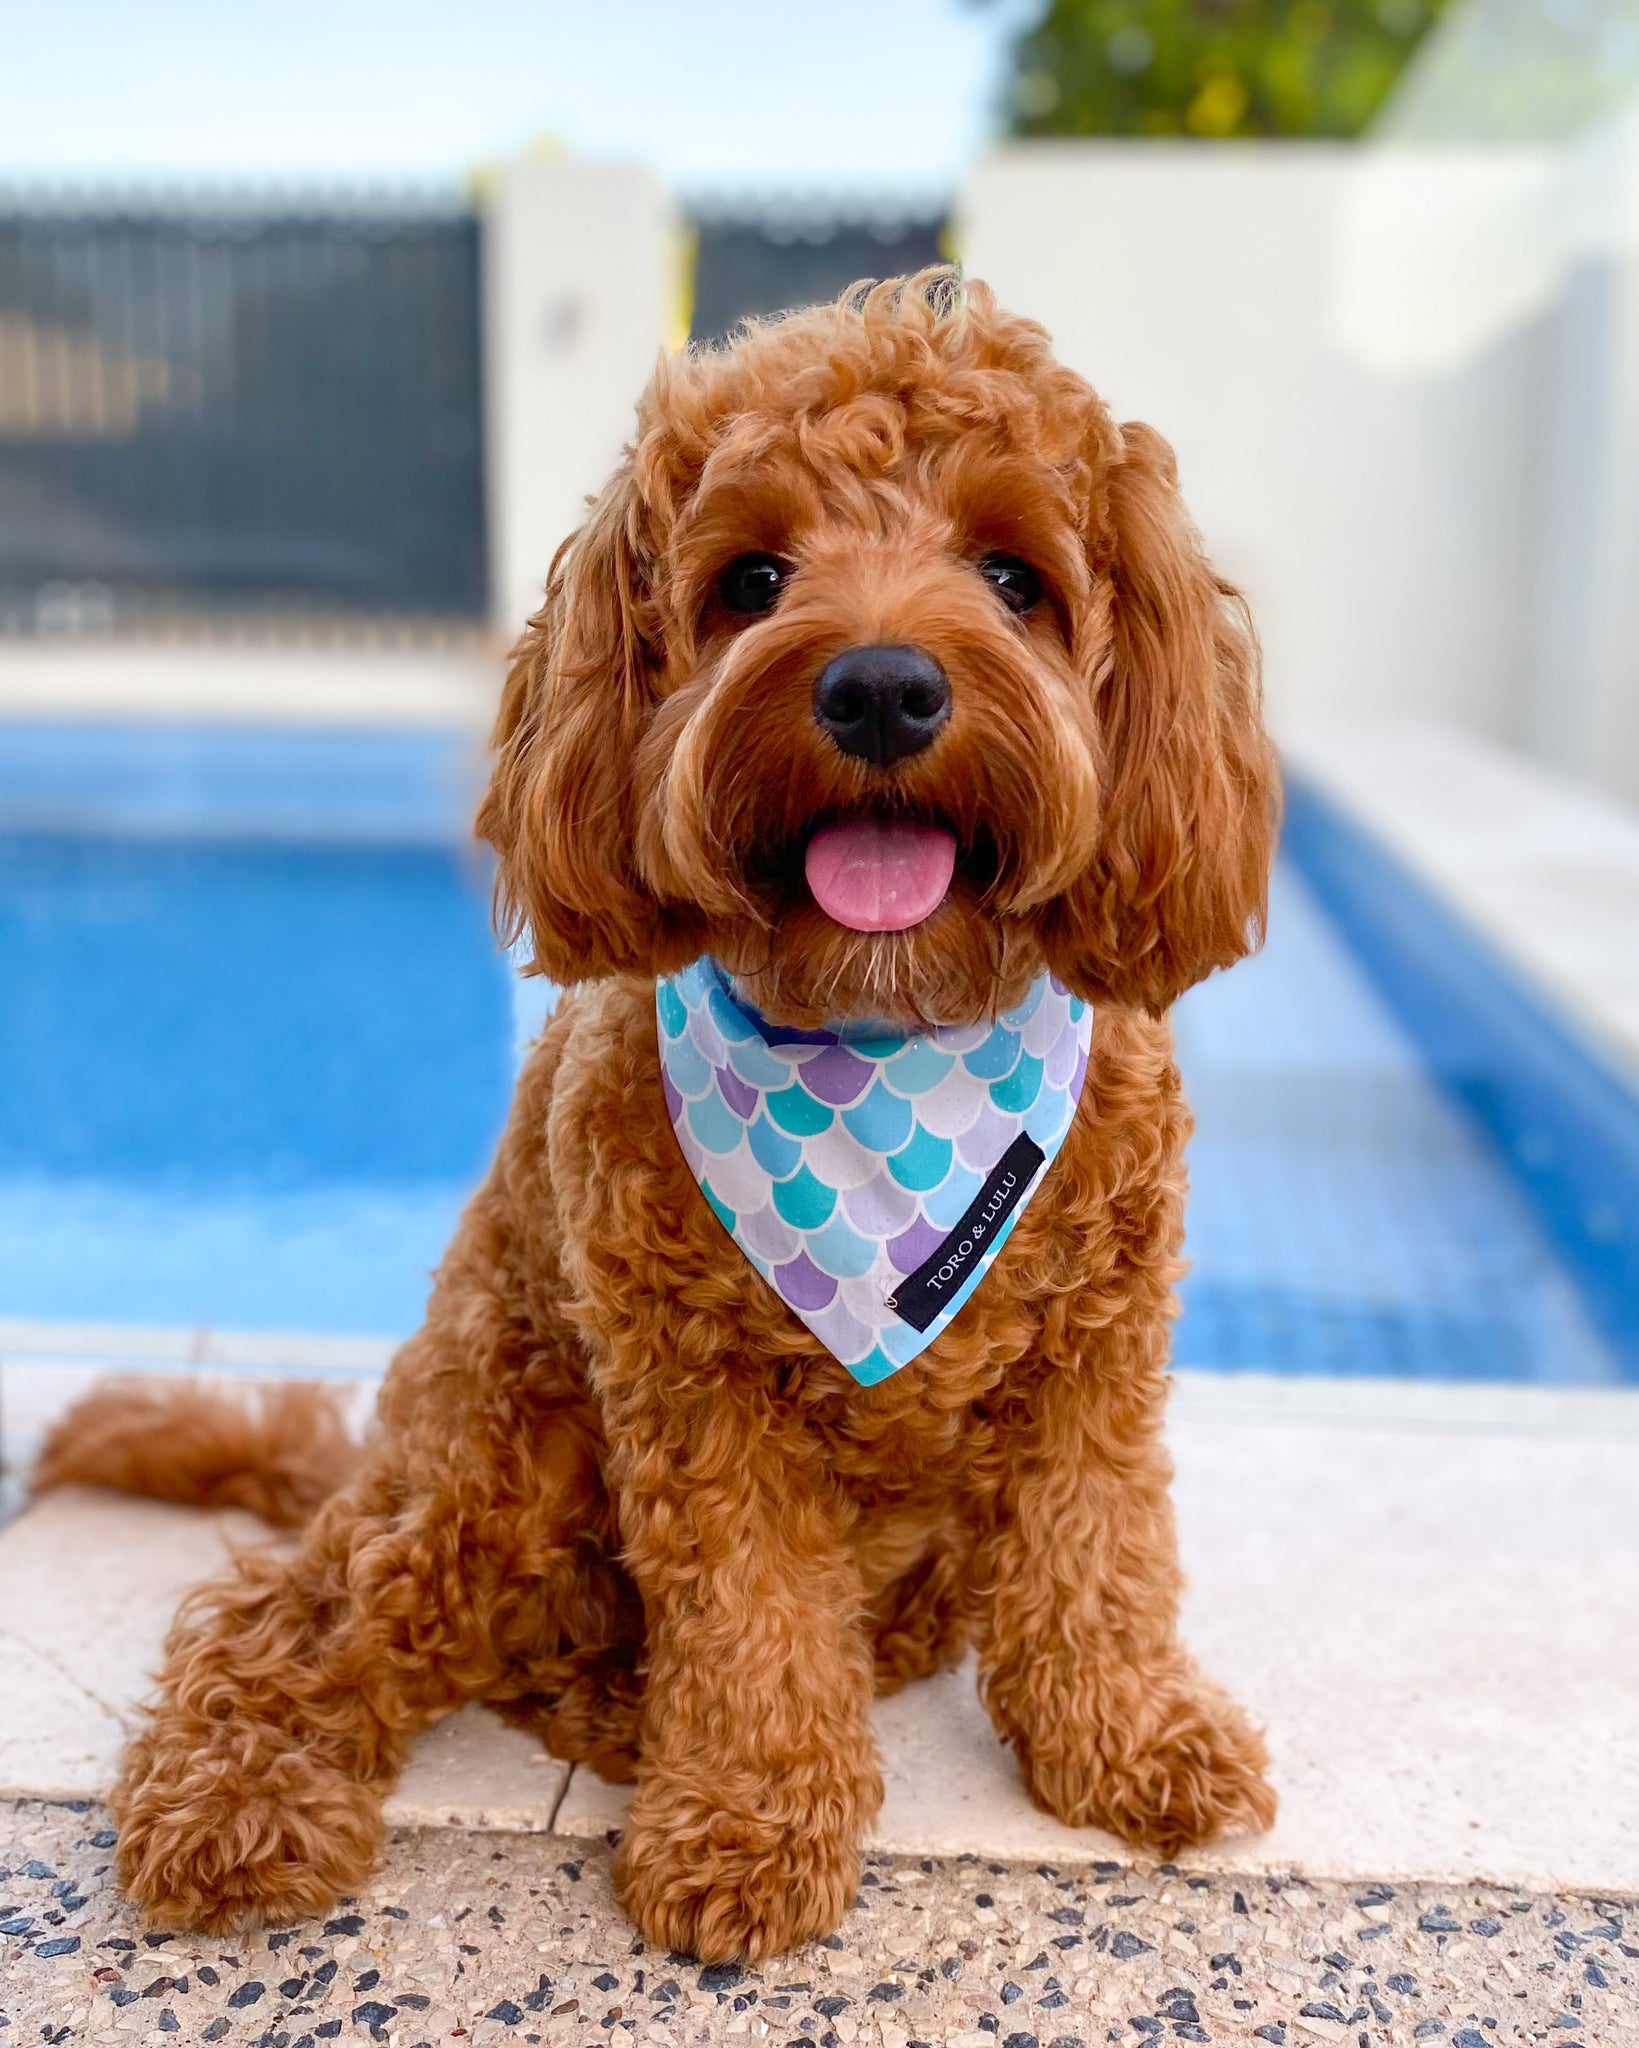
{"x":318,"y":323}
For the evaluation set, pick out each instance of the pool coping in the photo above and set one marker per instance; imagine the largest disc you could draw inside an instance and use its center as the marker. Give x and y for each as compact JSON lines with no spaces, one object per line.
{"x":449,"y":680}
{"x":1544,"y":868}
{"x":1425,"y":1591}
{"x":1463,"y":1406}
{"x":192,"y":1347}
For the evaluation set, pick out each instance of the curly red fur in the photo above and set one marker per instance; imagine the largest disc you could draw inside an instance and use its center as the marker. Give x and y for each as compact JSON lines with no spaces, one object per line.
{"x":615,"y":1487}
{"x":276,"y":1451}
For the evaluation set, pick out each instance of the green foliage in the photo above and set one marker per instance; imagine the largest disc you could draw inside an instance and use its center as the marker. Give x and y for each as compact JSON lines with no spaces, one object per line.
{"x":1212,"y":67}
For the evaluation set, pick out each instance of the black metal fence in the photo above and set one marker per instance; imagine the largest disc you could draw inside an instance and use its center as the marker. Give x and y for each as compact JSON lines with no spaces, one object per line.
{"x":766,"y":260}
{"x":224,"y":409}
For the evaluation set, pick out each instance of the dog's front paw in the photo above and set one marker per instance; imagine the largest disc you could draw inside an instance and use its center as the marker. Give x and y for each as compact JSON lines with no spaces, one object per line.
{"x":730,"y":1886}
{"x":1186,"y":1767}
{"x":220,"y":1830}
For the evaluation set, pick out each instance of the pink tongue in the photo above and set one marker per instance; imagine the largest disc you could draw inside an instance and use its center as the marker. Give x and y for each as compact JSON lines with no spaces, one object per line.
{"x":878,"y":877}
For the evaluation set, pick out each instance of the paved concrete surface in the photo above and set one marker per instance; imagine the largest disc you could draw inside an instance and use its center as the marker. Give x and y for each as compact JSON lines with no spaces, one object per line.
{"x":458,"y":1939}
{"x":1546,"y":868}
{"x":1434,"y":1614}
{"x":193,"y":1346}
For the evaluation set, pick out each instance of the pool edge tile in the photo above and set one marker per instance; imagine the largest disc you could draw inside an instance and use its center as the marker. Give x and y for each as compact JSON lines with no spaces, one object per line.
{"x":1308,"y":1548}
{"x":1468,"y":1407}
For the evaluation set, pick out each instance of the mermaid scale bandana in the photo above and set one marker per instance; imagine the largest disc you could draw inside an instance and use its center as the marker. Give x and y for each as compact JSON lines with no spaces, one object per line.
{"x":870,"y":1179}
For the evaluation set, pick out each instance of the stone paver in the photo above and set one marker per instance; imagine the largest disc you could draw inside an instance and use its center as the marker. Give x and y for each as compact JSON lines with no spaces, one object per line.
{"x":459,"y":1940}
{"x":1436,"y":1622}
{"x":1546,"y":868}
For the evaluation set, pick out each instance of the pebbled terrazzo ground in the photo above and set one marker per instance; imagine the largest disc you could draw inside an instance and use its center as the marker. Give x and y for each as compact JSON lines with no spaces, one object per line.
{"x":483,"y":1939}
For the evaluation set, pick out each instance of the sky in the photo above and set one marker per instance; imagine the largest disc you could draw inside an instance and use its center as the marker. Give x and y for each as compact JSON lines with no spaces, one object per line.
{"x":717,"y":96}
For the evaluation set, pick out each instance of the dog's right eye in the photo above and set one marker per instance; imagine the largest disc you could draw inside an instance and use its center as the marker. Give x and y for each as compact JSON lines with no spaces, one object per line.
{"x":1014,"y":582}
{"x":752,"y":583}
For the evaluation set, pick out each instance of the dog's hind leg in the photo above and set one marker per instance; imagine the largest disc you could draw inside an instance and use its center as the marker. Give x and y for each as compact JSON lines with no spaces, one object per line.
{"x":583,"y":1695}
{"x":921,"y":1620}
{"x":292,"y":1687}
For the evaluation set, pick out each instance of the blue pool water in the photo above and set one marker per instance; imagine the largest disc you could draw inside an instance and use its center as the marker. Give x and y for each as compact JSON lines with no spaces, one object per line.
{"x":256,"y":1043}
{"x":1345,"y":1215}
{"x":255,"y":1035}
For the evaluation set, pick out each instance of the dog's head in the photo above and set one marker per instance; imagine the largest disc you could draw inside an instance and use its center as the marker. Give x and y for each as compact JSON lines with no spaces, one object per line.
{"x":888,"y":670}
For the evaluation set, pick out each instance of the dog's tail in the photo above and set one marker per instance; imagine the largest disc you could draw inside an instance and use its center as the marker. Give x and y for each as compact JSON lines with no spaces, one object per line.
{"x":278,"y":1450}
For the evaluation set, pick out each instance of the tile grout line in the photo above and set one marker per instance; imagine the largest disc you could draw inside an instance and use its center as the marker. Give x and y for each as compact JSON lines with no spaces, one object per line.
{"x":563,"y":1794}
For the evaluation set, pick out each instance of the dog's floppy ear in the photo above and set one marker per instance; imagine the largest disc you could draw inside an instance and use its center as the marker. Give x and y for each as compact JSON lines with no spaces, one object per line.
{"x":559,"y":806}
{"x":1189,"y":788}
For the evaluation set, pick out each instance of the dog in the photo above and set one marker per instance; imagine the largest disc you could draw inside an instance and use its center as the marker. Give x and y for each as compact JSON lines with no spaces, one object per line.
{"x":884,"y":702}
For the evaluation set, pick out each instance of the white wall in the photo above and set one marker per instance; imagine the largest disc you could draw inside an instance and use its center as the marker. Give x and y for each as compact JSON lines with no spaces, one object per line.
{"x":1403,"y":385}
{"x":1372,"y":486}
{"x":579,"y":263}
{"x":1585,"y":706}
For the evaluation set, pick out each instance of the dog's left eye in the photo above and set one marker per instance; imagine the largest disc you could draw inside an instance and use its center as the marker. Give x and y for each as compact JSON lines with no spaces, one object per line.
{"x":1015,"y":582}
{"x":752,"y":583}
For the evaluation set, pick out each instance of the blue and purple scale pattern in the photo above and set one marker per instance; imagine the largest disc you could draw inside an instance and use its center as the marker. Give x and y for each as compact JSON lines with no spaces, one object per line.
{"x":841,"y":1161}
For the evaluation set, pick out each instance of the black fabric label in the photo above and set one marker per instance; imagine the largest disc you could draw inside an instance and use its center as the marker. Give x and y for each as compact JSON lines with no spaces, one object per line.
{"x":940,"y":1277}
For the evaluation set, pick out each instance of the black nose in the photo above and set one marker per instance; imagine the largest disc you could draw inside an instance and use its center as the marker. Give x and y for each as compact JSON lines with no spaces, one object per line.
{"x":881,"y":703}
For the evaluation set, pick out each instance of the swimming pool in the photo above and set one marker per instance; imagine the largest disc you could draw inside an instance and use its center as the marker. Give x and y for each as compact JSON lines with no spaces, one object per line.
{"x":256,"y":1042}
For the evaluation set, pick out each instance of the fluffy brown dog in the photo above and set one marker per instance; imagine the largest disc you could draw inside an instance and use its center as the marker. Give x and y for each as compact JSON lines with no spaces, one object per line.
{"x":615,"y":1487}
